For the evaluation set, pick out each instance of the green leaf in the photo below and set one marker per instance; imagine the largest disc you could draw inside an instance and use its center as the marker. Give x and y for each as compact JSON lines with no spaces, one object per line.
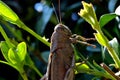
{"x":12,"y":65}
{"x":13,"y":57}
{"x":17,"y":55}
{"x":7,"y":14}
{"x":81,"y":66}
{"x":115,"y":45}
{"x":28,"y":61}
{"x":106,"y":56}
{"x":4,"y":48}
{"x":21,"y":51}
{"x":88,"y":13}
{"x":104,"y":19}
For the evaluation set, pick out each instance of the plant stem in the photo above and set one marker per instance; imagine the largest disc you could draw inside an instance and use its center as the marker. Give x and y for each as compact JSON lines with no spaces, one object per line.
{"x":24,"y":27}
{"x":5,"y":36}
{"x":37,"y":71}
{"x":12,"y":30}
{"x":114,"y":56}
{"x":23,"y":74}
{"x":111,"y":51}
{"x":90,"y":65}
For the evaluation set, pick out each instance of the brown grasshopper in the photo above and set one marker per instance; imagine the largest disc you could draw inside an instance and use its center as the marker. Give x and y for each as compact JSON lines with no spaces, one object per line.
{"x":61,"y":59}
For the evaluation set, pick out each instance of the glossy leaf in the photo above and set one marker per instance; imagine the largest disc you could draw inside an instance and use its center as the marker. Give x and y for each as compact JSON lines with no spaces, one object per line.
{"x":13,"y":57}
{"x":115,"y":45}
{"x":104,"y":19}
{"x":7,"y":14}
{"x":88,"y":13}
{"x":4,"y":48}
{"x":21,"y":51}
{"x":81,"y":66}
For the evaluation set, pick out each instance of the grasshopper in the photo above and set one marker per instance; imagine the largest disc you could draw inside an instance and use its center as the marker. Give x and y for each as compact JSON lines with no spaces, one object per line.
{"x":61,"y":58}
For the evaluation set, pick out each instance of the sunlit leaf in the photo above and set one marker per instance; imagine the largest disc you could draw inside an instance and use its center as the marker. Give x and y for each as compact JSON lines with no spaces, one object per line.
{"x":6,"y":13}
{"x":88,"y":13}
{"x":13,"y":57}
{"x":80,"y":67}
{"x":104,"y":19}
{"x":4,"y":48}
{"x":22,"y":50}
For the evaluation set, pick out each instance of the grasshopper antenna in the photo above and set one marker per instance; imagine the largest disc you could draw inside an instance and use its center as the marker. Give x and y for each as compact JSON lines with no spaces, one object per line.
{"x":59,"y":11}
{"x":55,"y":13}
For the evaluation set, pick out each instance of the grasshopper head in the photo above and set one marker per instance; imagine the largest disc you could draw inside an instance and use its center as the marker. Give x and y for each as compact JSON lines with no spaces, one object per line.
{"x":62,"y":29}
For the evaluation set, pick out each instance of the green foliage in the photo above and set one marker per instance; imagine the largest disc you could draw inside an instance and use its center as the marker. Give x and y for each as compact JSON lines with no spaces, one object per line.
{"x":104,"y":19}
{"x":17,"y":57}
{"x":14,"y":57}
{"x":100,"y":37}
{"x":7,"y":14}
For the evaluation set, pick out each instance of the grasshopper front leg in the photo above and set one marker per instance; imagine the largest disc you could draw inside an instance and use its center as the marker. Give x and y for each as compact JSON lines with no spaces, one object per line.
{"x":79,"y":39}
